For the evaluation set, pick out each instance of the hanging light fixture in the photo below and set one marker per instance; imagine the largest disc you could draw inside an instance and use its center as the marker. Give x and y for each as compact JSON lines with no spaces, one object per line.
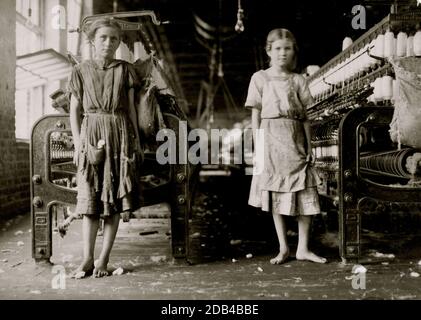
{"x":29,"y":24}
{"x":239,"y":27}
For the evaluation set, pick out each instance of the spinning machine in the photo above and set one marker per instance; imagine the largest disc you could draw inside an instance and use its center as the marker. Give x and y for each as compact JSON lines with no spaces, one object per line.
{"x":363,"y":168}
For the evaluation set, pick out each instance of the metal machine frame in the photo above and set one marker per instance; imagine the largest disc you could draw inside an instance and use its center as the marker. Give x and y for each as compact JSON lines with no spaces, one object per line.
{"x":44,"y":194}
{"x":357,"y":194}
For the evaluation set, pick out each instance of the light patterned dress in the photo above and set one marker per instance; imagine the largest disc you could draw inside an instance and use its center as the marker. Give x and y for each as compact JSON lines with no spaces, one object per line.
{"x":106,"y":187}
{"x":405,"y":127}
{"x":287,"y":182}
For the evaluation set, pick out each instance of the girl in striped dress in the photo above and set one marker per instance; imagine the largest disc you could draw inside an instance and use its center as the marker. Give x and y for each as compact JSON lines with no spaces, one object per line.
{"x":106,"y":138}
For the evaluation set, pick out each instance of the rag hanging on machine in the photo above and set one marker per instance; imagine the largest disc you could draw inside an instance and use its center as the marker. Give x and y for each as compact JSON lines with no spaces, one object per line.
{"x":149,"y":115}
{"x":153,"y":98}
{"x":405,"y":127}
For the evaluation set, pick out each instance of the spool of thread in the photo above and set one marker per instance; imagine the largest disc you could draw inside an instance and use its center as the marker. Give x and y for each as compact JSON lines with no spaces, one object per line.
{"x":352,"y":65}
{"x":378,"y":96}
{"x":346,"y":43}
{"x":372,"y":47}
{"x":417,"y":43}
{"x":318,"y":152}
{"x":379,"y":46}
{"x":389,"y":44}
{"x":410,"y":46}
{"x":346,"y":70}
{"x":387,"y":87}
{"x":401,"y":42}
{"x":335,"y":150}
{"x":357,"y":62}
{"x":395,"y":88}
{"x":363,"y":60}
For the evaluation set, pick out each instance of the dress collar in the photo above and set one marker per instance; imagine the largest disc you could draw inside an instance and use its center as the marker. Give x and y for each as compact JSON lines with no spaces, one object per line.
{"x":284,"y":76}
{"x":100,"y":65}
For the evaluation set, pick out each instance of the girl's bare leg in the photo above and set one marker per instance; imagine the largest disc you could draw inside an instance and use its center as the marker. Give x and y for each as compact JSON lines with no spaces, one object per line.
{"x":303,"y":253}
{"x":110,"y":230}
{"x":282,"y":238}
{"x":89,"y":231}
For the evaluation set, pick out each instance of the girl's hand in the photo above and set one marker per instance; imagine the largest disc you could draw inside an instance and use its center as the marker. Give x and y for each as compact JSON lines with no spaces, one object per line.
{"x":125,"y":216}
{"x":309,"y":157}
{"x":141,"y":156}
{"x":138,"y":149}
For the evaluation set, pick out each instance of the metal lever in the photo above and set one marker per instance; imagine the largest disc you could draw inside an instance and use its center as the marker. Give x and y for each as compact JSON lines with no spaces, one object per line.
{"x":128,"y":14}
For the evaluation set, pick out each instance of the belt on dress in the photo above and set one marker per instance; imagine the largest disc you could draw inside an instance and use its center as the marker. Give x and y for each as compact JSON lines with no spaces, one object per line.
{"x":279,"y":116}
{"x":102,"y":112}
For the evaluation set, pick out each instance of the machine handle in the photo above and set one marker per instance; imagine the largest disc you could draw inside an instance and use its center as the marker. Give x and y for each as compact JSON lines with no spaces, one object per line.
{"x":129,"y":14}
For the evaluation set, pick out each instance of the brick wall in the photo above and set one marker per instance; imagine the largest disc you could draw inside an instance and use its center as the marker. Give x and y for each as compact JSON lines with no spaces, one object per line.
{"x":14,"y":159}
{"x":22,"y":182}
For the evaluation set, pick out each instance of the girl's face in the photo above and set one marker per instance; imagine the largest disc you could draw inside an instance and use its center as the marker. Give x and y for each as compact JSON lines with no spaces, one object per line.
{"x":106,"y":42}
{"x":281,"y":53}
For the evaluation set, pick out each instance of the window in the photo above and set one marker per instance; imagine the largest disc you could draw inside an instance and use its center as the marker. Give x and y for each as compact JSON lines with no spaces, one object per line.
{"x":35,"y":37}
{"x":28,"y":31}
{"x":74,"y":15}
{"x":30,"y":9}
{"x":28,"y":39}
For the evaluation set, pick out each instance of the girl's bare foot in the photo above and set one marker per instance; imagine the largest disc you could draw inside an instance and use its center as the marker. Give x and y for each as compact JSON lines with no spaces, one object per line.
{"x":309,"y":256}
{"x":84,"y":270}
{"x":100,"y":269}
{"x":125,"y":216}
{"x":281,"y":257}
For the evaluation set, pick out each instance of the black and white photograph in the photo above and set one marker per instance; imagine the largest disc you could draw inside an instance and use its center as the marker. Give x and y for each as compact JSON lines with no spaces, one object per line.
{"x":228,"y":152}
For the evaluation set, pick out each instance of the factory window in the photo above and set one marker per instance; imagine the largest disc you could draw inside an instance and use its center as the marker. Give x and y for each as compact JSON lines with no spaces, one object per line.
{"x":28,"y":31}
{"x":29,"y":38}
{"x":29,"y":9}
{"x":41,"y":65}
{"x":74,"y":15}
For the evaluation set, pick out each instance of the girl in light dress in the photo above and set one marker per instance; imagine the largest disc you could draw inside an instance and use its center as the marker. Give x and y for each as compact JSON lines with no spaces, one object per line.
{"x":286,"y":182}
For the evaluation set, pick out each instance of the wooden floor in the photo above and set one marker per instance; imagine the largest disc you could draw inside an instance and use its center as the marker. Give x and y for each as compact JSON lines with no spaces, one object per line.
{"x":142,"y":250}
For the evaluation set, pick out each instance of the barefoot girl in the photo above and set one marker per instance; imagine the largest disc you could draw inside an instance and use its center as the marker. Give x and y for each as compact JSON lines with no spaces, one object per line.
{"x":107,"y":146}
{"x":287,"y":184}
